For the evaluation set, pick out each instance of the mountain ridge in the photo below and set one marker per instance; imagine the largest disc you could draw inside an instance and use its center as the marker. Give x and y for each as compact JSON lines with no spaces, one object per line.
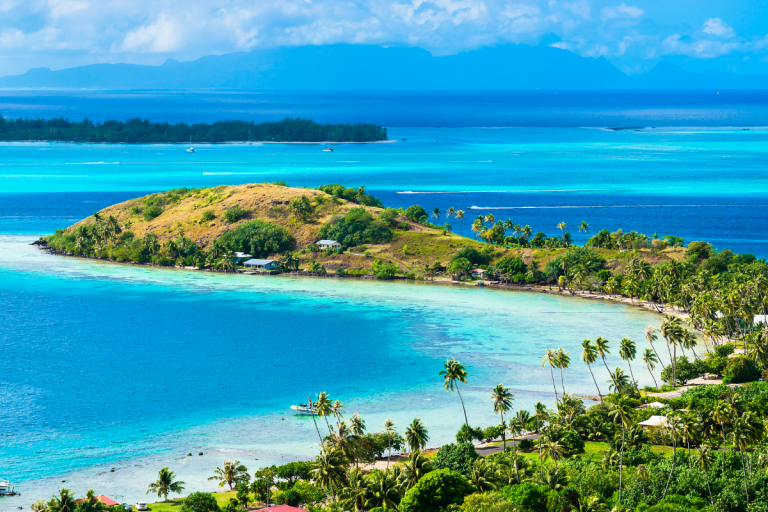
{"x":371,"y":67}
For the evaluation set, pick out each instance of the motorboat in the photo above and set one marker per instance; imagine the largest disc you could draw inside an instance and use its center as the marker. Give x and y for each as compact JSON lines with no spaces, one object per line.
{"x":6,"y":489}
{"x":328,"y":149}
{"x":191,"y":150}
{"x":303,"y":410}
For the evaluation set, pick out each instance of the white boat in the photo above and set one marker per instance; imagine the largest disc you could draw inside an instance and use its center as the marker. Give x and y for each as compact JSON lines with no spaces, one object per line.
{"x":302,"y":410}
{"x":191,"y":150}
{"x":6,"y":489}
{"x":328,"y":149}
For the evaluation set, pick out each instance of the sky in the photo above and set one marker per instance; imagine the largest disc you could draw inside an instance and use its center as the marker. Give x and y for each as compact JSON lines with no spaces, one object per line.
{"x":730,"y":35}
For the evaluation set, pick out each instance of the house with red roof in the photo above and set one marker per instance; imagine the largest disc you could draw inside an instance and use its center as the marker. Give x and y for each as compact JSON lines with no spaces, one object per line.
{"x":280,"y":508}
{"x":106,"y":500}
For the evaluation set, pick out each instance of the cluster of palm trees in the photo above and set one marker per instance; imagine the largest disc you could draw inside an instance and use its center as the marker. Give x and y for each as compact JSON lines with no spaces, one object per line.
{"x":97,"y":235}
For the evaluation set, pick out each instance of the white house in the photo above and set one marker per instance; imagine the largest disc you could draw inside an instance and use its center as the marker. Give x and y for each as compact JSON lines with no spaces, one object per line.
{"x":261,"y":264}
{"x":241,"y":256}
{"x":655,"y":422}
{"x":329,"y":244}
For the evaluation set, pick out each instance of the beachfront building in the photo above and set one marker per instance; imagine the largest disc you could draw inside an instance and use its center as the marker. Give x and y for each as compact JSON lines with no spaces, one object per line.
{"x":105,"y":500}
{"x":654,"y":422}
{"x":329,"y":244}
{"x":241,"y":257}
{"x":261,"y":264}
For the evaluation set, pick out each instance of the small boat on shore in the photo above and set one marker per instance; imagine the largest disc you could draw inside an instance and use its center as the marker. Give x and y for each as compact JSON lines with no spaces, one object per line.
{"x":6,"y":489}
{"x":302,"y":410}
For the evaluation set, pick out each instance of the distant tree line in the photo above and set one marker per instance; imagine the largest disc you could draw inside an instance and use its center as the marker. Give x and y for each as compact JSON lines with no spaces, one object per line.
{"x":144,"y":131}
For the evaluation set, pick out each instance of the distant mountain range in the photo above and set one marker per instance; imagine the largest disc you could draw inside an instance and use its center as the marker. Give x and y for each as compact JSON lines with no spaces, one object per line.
{"x":368,"y":67}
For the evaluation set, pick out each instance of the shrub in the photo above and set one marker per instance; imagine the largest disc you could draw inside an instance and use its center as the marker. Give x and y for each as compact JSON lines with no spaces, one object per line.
{"x":481,"y":502}
{"x":509,"y":266}
{"x":200,"y":502}
{"x":290,"y":497}
{"x":604,"y":275}
{"x":459,"y":268}
{"x":677,"y":503}
{"x":457,"y":457}
{"x":258,"y":238}
{"x":383,"y":269}
{"x":151,"y":212}
{"x":528,"y":495}
{"x":525,"y":445}
{"x":474,"y":256}
{"x":698,"y":251}
{"x":436,"y":491}
{"x":685,"y":371}
{"x":467,"y":435}
{"x":356,"y":227}
{"x":208,"y":215}
{"x":740,"y":369}
{"x":235,"y":213}
{"x":416,"y":213}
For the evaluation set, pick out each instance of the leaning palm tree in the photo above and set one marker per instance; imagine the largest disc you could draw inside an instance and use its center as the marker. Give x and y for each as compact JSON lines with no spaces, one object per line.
{"x":650,"y":337}
{"x":354,"y":494}
{"x":584,"y":227}
{"x":165,"y":484}
{"x":336,"y":409}
{"x":550,"y":358}
{"x":562,"y":227}
{"x":389,"y":429}
{"x":502,"y":402}
{"x":673,"y":332}
{"x":562,"y":360}
{"x":63,"y":502}
{"x":329,"y":470}
{"x":454,"y":373}
{"x":357,"y":425}
{"x":460,"y":215}
{"x":621,"y":412}
{"x":628,"y":351}
{"x":416,"y":435}
{"x":650,"y":360}
{"x":721,"y":413}
{"x":589,"y":356}
{"x":436,"y":212}
{"x":232,"y":473}
{"x":413,"y":469}
{"x":601,"y":345}
{"x":324,"y":407}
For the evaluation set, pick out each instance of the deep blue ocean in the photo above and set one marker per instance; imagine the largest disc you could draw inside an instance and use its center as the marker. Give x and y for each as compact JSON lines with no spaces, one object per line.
{"x":112,"y":366}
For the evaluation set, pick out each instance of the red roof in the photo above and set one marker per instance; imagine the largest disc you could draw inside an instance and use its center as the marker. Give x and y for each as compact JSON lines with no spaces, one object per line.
{"x":104,"y":499}
{"x":280,"y":508}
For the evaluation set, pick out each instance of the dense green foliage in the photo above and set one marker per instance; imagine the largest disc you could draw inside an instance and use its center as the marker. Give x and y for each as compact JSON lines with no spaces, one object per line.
{"x":138,"y":130}
{"x":351,"y":194}
{"x":458,"y":457}
{"x":416,"y":213}
{"x":435,"y":491}
{"x":200,"y":502}
{"x":356,"y":227}
{"x":258,"y":238}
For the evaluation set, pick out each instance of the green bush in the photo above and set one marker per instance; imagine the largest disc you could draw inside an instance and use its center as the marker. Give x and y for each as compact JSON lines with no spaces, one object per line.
{"x":525,"y":445}
{"x":686,"y":370}
{"x":436,"y":491}
{"x":355,"y":228}
{"x":482,"y":502}
{"x":200,"y":502}
{"x":467,"y":435}
{"x":235,"y":213}
{"x":474,"y":256}
{"x":208,"y":215}
{"x":509,"y":266}
{"x":151,"y":212}
{"x":676,"y":503}
{"x":258,"y":238}
{"x":459,"y":268}
{"x":384,"y":269}
{"x":527,"y":494}
{"x":416,"y":213}
{"x":740,"y":369}
{"x":457,"y":457}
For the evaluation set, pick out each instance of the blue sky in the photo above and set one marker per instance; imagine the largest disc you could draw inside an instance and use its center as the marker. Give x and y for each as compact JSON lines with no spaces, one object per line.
{"x":729,"y":35}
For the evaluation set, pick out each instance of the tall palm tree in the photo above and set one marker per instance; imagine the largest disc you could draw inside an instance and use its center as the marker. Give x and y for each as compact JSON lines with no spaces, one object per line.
{"x":721,"y":413}
{"x":382,"y":491}
{"x":63,"y":502}
{"x":355,"y":493}
{"x":450,"y":212}
{"x":389,"y":429}
{"x":453,"y":373}
{"x":673,"y":427}
{"x":554,"y":450}
{"x":584,"y":227}
{"x":650,"y":337}
{"x":672,"y":330}
{"x":589,"y":356}
{"x":628,"y":351}
{"x":540,"y":411}
{"x":232,"y":473}
{"x":460,"y":215}
{"x":336,"y":408}
{"x":165,"y":484}
{"x":650,"y":360}
{"x":502,"y":402}
{"x":324,"y":407}
{"x":416,"y":435}
{"x":621,"y":412}
{"x":550,"y":358}
{"x":314,"y":420}
{"x":704,"y":460}
{"x":562,"y":360}
{"x":562,"y":227}
{"x":601,"y":345}
{"x":413,"y":469}
{"x":436,"y":212}
{"x":357,"y":425}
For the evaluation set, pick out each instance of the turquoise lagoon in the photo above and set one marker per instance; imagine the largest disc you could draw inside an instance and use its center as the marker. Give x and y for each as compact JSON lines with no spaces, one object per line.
{"x":129,"y":367}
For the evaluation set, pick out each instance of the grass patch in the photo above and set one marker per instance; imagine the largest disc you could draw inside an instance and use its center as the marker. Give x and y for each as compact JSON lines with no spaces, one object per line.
{"x":222,"y":498}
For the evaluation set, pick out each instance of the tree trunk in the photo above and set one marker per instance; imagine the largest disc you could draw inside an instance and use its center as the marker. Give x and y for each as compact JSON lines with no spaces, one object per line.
{"x":621,"y":461}
{"x":653,"y":376}
{"x":722,"y":429}
{"x":674,"y":369}
{"x":316,"y":427}
{"x":595,"y":381}
{"x":541,"y":461}
{"x":674,"y":457}
{"x":561,"y":382}
{"x":466,"y":421}
{"x":552,"y":374}
{"x":633,"y":376}
{"x":609,"y":373}
{"x":503,"y":432}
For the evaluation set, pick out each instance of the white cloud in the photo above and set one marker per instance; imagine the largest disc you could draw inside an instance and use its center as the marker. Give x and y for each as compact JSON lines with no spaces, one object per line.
{"x":621,"y":11}
{"x":162,"y":36}
{"x":717,"y":28}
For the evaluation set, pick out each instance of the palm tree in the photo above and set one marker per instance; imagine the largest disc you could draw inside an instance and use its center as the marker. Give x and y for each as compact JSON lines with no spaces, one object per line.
{"x":389,"y":429}
{"x":232,"y":473}
{"x":621,"y":412}
{"x":672,"y":330}
{"x":584,"y":227}
{"x":413,"y":469}
{"x":650,"y":360}
{"x":721,"y":413}
{"x":502,"y":402}
{"x":589,"y":356}
{"x":550,"y":358}
{"x":323,"y":407}
{"x":482,"y":475}
{"x":628,"y":351}
{"x":328,"y":470}
{"x":382,"y":491}
{"x":704,"y":460}
{"x":553,"y":449}
{"x":460,"y":215}
{"x":416,"y":435}
{"x":450,"y":212}
{"x":619,"y":380}
{"x":63,"y":502}
{"x":436,"y":212}
{"x":454,"y":373}
{"x":336,"y":409}
{"x":314,"y":420}
{"x":357,"y":425}
{"x":540,"y":411}
{"x":165,"y":484}
{"x":556,"y":478}
{"x":601,"y":345}
{"x":562,"y":360}
{"x":673,"y":424}
{"x":650,"y":337}
{"x":354,"y":494}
